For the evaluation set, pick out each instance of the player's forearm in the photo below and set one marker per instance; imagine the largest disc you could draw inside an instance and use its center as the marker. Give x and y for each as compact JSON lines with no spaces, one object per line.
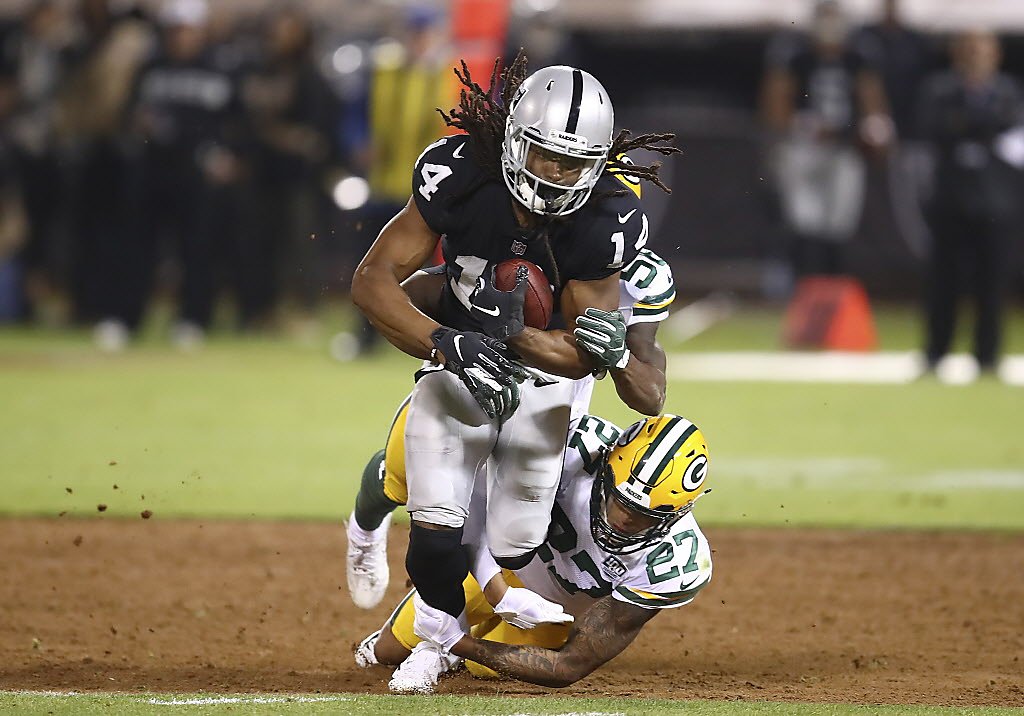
{"x":532,"y":664}
{"x":378,"y":295}
{"x":640,"y":386}
{"x":554,"y":352}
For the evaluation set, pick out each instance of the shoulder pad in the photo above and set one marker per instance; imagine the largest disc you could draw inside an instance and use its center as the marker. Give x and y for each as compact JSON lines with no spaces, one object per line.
{"x":630,"y":182}
{"x":648,"y":281}
{"x":592,"y":436}
{"x":444,"y":169}
{"x":612,"y":230}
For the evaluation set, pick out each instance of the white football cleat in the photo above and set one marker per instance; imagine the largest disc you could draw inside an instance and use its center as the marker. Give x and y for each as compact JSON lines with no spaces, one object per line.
{"x":365,"y":654}
{"x":419,"y":673}
{"x":366,"y":565}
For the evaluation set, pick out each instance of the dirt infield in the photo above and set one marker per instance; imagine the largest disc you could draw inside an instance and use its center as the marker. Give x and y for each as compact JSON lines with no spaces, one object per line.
{"x":796,"y":615}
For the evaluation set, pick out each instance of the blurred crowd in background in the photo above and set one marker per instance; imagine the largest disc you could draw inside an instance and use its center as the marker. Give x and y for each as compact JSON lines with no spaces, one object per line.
{"x":228,"y":157}
{"x":153,"y":146}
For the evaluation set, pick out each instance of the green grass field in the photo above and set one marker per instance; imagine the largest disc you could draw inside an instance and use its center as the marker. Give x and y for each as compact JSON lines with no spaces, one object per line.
{"x":139,"y":704}
{"x":274,"y":428}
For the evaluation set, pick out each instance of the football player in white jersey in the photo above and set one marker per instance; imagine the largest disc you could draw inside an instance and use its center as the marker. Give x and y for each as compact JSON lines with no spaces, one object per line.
{"x":623,"y":545}
{"x":646,"y":291}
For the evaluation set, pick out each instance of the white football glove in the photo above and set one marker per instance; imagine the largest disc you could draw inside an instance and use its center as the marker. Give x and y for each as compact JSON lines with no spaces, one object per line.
{"x":436,"y":626}
{"x":525,"y":609}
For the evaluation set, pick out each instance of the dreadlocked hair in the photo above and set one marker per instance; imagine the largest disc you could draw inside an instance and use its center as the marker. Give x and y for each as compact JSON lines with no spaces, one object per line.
{"x":482,"y":116}
{"x":625,"y":142}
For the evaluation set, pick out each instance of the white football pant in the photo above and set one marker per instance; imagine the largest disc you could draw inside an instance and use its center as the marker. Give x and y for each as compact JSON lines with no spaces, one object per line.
{"x":449,"y":440}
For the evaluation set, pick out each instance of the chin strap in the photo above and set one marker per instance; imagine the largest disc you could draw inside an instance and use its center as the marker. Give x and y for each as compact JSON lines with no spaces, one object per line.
{"x":535,"y":202}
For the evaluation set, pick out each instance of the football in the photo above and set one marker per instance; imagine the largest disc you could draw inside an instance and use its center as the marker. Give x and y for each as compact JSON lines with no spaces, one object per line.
{"x":539,"y":300}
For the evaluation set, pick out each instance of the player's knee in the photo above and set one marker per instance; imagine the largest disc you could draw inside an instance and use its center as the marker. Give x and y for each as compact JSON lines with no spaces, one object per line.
{"x":514,"y":542}
{"x":432,"y":551}
{"x":437,"y":564}
{"x":515,"y":562}
{"x":535,"y":484}
{"x":449,"y":517}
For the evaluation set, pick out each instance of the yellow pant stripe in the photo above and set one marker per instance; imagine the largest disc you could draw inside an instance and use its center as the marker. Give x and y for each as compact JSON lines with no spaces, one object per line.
{"x":394,"y":458}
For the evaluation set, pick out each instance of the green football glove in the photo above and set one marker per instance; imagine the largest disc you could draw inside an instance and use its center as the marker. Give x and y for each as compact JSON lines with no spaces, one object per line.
{"x":603,"y":335}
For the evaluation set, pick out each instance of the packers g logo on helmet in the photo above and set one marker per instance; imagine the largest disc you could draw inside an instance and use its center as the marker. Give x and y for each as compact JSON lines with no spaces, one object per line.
{"x":657,"y":468}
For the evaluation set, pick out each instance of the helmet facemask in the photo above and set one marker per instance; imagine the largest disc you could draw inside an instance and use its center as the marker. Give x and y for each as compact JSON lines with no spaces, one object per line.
{"x":610,"y":539}
{"x":537,"y":194}
{"x":656,"y":469}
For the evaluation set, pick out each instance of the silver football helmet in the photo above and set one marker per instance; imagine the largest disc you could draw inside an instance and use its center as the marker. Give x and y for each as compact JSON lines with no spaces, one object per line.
{"x":562,"y":111}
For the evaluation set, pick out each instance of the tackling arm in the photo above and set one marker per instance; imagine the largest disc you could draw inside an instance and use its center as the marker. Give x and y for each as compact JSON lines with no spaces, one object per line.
{"x":607,"y":628}
{"x":641,"y":384}
{"x":556,"y":351}
{"x":402,"y":247}
{"x":424,"y":290}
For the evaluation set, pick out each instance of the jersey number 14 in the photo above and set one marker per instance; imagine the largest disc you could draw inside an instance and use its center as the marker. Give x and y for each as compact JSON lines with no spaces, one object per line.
{"x":433,"y":174}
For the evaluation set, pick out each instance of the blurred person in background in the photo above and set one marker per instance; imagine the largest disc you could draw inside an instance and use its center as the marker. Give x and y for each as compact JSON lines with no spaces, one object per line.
{"x":824,"y":104}
{"x":965,"y":115}
{"x":110,"y":48}
{"x":905,"y":57}
{"x":35,"y":52}
{"x":541,"y":32}
{"x":13,"y":224}
{"x":411,"y":77}
{"x":185,"y":128}
{"x":292,"y":111}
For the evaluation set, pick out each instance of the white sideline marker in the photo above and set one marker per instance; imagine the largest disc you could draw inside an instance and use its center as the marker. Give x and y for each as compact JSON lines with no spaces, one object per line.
{"x":213,"y":700}
{"x":894,"y":368}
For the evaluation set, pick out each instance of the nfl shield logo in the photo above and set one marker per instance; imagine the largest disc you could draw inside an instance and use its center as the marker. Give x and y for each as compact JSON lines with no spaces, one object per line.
{"x":518,"y":248}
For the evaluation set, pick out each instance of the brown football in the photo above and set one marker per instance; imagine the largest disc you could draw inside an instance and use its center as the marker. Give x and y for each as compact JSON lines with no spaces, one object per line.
{"x":539,"y":299}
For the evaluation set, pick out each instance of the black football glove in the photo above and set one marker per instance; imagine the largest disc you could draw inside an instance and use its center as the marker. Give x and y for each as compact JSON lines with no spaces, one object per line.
{"x":484,"y":367}
{"x":603,"y":335}
{"x":500,"y":313}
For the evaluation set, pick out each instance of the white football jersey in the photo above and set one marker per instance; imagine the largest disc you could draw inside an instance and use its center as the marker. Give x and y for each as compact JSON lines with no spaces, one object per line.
{"x":646,"y":290}
{"x":572,"y":570}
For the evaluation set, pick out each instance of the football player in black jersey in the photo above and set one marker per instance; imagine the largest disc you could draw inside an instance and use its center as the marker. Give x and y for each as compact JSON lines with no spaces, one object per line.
{"x":527,"y":180}
{"x":647,"y":290}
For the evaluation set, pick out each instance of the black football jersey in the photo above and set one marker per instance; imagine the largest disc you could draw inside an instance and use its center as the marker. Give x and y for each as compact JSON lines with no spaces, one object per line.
{"x":479,"y":230}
